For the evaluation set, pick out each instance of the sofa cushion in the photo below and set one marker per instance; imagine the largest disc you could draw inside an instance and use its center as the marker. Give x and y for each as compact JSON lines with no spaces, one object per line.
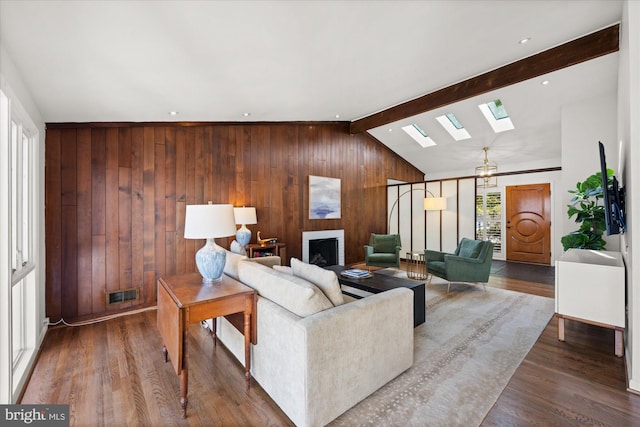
{"x":326,"y":280}
{"x":437,"y":267}
{"x":231,"y":264}
{"x":384,"y":243}
{"x":269,"y":261}
{"x":470,"y":248}
{"x":283,"y":269}
{"x":297,"y":295}
{"x":380,"y":258}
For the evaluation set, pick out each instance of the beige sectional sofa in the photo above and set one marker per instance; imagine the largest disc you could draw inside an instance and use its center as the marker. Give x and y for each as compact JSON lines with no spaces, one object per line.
{"x":318,"y":354}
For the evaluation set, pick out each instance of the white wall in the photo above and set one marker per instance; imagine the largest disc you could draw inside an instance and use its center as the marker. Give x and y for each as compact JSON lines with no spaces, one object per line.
{"x":451,"y":216}
{"x":466,"y":202}
{"x":466,"y":208}
{"x":446,"y":228}
{"x":436,"y":230}
{"x":502,"y":167}
{"x":583,"y":124}
{"x":629,"y":144}
{"x":20,"y":97}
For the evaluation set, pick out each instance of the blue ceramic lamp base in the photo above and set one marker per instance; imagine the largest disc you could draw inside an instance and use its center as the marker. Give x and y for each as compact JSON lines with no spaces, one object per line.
{"x":210,"y":260}
{"x":243,"y":235}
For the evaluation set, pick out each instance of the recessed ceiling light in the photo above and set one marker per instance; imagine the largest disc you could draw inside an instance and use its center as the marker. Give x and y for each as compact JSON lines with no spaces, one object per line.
{"x":390,"y":129}
{"x":544,"y":82}
{"x":337,"y":116}
{"x":246,"y":114}
{"x":173,"y":113}
{"x":525,"y":40}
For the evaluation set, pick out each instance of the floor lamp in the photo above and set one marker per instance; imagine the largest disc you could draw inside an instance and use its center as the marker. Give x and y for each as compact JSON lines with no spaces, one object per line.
{"x":432,"y":203}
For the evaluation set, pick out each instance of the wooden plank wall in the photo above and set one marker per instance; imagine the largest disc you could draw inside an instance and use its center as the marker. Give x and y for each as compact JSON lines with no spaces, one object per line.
{"x":116,"y":196}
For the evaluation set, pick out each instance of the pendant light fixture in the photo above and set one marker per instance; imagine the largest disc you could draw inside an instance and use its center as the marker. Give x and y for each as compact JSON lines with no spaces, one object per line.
{"x":487,"y":172}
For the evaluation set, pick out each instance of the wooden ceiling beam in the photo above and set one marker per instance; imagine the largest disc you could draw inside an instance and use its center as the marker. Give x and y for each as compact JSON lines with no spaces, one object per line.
{"x":571,"y":53}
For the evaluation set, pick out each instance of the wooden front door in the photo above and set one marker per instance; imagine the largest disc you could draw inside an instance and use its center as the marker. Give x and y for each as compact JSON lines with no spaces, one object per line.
{"x":528,"y":216}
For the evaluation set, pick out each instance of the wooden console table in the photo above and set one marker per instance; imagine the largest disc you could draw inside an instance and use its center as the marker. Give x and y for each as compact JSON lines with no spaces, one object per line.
{"x":183,"y":300}
{"x":279,"y":249}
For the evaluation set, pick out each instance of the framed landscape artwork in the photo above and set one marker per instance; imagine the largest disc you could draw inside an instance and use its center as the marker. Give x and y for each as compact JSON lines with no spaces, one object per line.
{"x":324,"y":197}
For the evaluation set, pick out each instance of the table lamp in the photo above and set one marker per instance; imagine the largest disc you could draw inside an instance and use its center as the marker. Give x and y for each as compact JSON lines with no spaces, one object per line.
{"x":208,"y":222}
{"x":243,"y":217}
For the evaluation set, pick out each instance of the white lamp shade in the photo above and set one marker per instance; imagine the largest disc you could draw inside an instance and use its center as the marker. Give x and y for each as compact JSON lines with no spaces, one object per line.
{"x":435,"y":203}
{"x":209,"y":221}
{"x":245,"y":215}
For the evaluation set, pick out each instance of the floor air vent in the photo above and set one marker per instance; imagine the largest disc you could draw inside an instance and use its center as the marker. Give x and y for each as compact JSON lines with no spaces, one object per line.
{"x":126,"y":295}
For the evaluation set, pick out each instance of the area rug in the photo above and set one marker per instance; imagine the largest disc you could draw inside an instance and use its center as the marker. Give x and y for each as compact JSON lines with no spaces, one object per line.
{"x":465,"y":353}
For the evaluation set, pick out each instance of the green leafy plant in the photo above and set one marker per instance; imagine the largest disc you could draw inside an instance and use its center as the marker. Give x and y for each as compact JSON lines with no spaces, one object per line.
{"x":589,"y":214}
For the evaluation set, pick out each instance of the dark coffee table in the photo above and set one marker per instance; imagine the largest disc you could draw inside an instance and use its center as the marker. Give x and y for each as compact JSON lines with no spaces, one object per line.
{"x":384,"y":280}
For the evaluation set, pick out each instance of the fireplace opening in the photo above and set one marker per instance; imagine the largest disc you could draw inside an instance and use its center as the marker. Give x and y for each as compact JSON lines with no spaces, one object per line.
{"x":323,"y":252}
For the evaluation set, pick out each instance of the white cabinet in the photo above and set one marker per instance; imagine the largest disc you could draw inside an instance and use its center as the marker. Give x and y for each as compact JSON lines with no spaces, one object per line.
{"x":590,"y":287}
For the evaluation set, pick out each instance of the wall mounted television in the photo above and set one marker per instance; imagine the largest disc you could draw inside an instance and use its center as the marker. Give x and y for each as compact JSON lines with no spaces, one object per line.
{"x":614,"y":199}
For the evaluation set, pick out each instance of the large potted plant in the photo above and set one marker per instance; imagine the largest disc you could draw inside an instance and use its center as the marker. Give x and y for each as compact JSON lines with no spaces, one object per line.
{"x":589,"y":214}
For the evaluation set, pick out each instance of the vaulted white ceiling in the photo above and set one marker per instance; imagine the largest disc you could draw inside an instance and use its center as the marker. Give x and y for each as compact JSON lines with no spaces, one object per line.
{"x":101,"y":61}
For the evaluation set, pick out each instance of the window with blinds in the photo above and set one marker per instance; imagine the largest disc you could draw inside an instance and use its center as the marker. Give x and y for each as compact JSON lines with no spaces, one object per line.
{"x":489,"y":218}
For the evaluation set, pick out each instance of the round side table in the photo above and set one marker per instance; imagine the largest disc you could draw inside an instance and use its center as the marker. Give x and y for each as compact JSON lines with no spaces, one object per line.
{"x":416,"y":267}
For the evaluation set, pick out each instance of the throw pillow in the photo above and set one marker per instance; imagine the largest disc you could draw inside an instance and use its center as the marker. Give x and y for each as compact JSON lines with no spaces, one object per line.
{"x":470,"y":248}
{"x":384,"y":243}
{"x":231,"y":264}
{"x":290,"y":292}
{"x":326,"y":280}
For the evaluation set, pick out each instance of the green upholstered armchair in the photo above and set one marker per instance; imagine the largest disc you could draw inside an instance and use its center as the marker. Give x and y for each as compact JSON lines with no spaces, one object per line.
{"x":383,"y":250}
{"x":471,"y":262}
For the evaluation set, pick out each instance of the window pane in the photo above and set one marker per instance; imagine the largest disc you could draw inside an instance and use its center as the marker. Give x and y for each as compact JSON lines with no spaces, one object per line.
{"x":19,"y":333}
{"x":14,"y":196}
{"x":17,"y":319}
{"x":494,"y":220}
{"x":480,"y":217}
{"x":489,"y":219}
{"x":26,"y":199}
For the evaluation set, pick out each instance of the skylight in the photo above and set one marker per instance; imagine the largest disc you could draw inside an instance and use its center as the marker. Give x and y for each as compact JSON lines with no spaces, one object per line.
{"x":418,"y":135}
{"x":453,"y":126}
{"x":497,"y":109}
{"x":496,"y":115}
{"x":454,"y":120}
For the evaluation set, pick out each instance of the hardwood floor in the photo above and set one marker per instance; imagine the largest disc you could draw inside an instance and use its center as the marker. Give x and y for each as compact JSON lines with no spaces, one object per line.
{"x":112,"y":373}
{"x":577,"y":382}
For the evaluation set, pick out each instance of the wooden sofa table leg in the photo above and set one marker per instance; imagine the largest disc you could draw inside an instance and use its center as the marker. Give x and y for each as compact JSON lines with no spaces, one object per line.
{"x":619,"y":349}
{"x":247,"y":349}
{"x":214,"y":327}
{"x":184,"y":387}
{"x":560,"y":328}
{"x":184,"y":373}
